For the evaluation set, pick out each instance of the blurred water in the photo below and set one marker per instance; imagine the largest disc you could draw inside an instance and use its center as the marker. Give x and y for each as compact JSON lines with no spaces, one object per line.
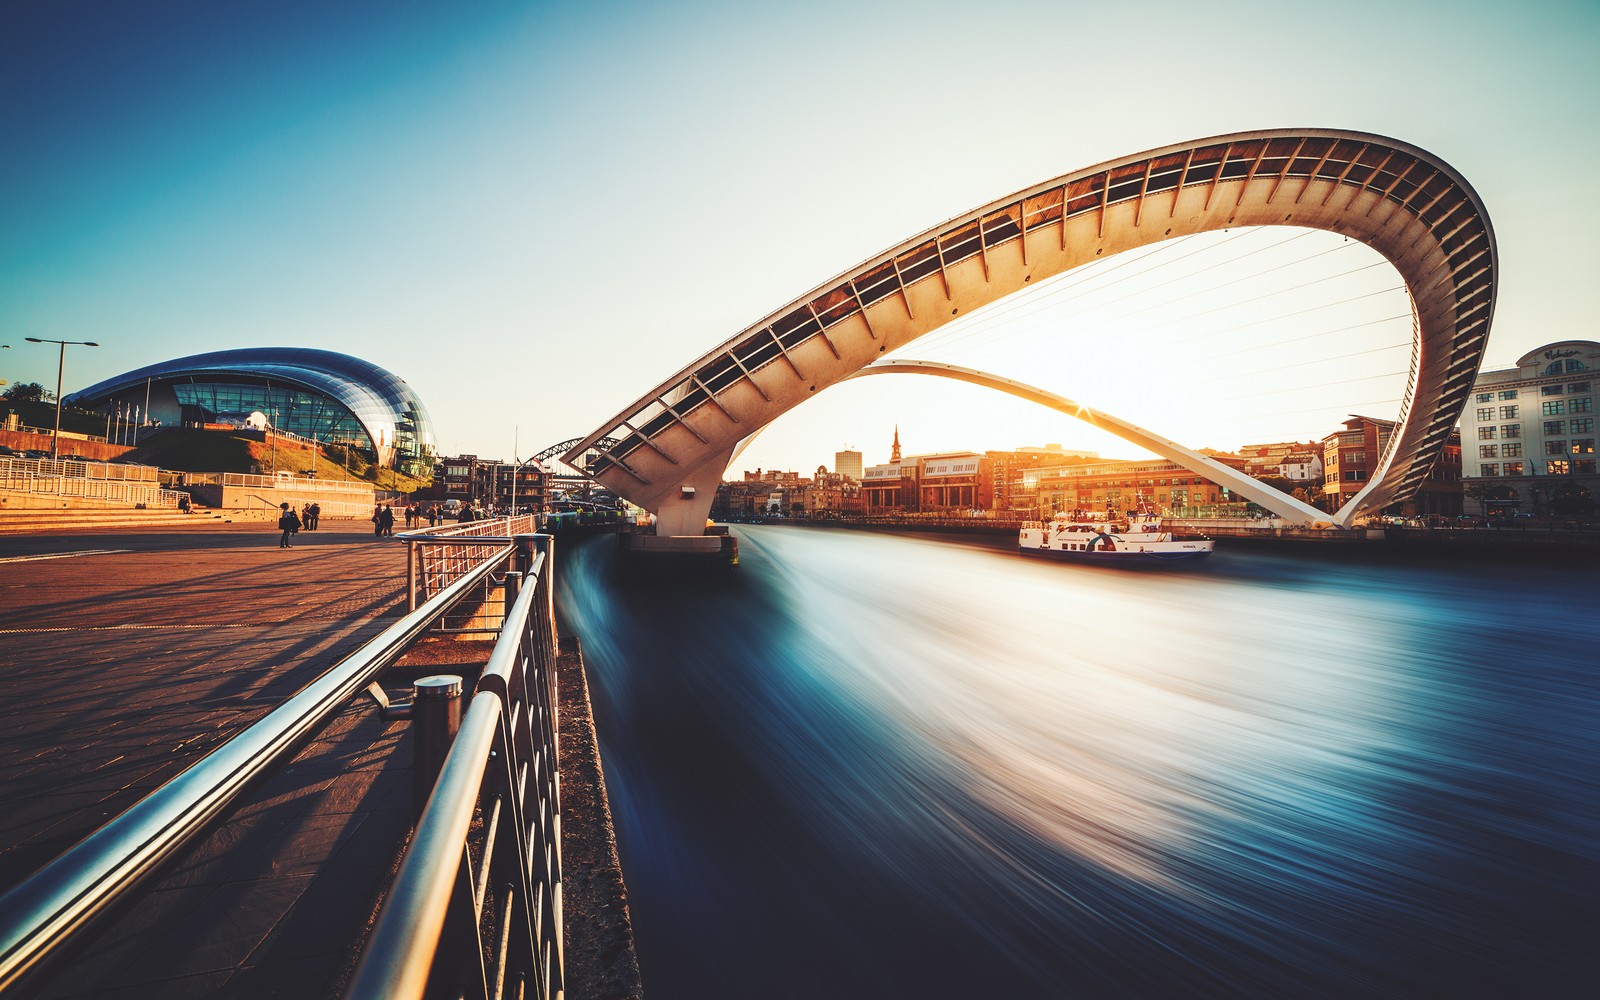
{"x":883,"y":766}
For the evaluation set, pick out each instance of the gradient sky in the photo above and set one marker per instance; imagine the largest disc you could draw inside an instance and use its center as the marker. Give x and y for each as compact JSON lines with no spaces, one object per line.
{"x":535,"y":212}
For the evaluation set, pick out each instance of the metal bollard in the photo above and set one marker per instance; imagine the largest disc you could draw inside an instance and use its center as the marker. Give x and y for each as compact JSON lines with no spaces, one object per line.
{"x":435,"y":719}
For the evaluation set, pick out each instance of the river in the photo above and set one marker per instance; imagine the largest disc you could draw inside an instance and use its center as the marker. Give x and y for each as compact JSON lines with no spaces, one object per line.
{"x":872,"y":765}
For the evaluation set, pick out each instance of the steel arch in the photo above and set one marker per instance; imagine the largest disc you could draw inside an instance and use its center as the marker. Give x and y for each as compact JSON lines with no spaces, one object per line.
{"x":565,"y":447}
{"x":674,"y":443}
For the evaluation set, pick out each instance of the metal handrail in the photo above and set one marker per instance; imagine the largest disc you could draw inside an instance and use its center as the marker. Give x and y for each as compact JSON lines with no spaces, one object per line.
{"x":42,"y":915}
{"x":489,"y":840}
{"x":429,"y":568}
{"x":400,"y":955}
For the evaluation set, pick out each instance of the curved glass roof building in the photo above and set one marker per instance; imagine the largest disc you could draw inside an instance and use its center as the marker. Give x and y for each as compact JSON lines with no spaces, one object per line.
{"x":321,"y":395}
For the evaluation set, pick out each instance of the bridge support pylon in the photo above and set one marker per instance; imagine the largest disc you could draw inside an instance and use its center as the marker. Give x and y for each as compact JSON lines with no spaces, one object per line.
{"x":683,"y":531}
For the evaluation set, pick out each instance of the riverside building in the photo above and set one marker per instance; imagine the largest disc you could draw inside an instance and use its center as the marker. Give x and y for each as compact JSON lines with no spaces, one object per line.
{"x":1349,"y":456}
{"x":1528,"y":434}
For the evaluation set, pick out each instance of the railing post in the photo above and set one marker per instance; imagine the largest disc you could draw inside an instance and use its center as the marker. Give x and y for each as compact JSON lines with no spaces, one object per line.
{"x":525,"y":545}
{"x":435,"y":719}
{"x":513,"y":585}
{"x":411,"y":574}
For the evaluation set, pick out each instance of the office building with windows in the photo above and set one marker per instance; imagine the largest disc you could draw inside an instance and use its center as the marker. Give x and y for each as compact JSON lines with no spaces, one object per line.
{"x":321,"y":396}
{"x":1528,"y":434}
{"x":848,"y":463}
{"x":1349,"y":456}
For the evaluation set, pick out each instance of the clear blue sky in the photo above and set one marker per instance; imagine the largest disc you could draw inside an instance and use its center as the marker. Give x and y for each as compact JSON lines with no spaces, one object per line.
{"x":535,"y":212}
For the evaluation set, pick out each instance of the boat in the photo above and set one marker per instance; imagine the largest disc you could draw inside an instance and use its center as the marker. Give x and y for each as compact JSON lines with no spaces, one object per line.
{"x":1135,"y":540}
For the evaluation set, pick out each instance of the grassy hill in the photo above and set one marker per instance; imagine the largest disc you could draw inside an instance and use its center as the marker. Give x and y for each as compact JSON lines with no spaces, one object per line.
{"x":187,"y":449}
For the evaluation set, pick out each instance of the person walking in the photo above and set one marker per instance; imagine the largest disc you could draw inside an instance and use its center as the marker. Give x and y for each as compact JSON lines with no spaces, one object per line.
{"x":316,"y":516}
{"x":386,"y":521}
{"x":377,"y":521}
{"x":289,"y":524}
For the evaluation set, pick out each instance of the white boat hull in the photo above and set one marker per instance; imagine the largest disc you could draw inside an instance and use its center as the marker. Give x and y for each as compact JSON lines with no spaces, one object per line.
{"x":1101,"y":542}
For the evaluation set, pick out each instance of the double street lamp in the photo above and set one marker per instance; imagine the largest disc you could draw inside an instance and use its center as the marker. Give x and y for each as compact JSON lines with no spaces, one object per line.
{"x":61,"y":364}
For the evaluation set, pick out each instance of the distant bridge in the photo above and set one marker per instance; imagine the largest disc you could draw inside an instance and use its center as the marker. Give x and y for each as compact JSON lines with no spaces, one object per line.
{"x":671,"y":447}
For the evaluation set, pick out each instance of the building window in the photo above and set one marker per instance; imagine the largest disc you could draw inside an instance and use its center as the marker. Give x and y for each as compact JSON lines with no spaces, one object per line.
{"x":1513,"y":468}
{"x":1511,"y":450}
{"x":1583,"y":446}
{"x":1550,"y":390}
{"x":1485,"y":433}
{"x":1511,"y":431}
{"x":1555,"y":427}
{"x":1578,"y":387}
{"x":1490,"y":469}
{"x":1576,"y":366}
{"x":1584,"y":405}
{"x":1488,"y":451}
{"x":1508,"y":394}
{"x":1555,"y":447}
{"x":1556,"y":467}
{"x":1508,"y":413}
{"x":1485,"y":413}
{"x":1556,"y":408}
{"x":1583,"y":466}
{"x":1484,"y":397}
{"x":1581,"y":425}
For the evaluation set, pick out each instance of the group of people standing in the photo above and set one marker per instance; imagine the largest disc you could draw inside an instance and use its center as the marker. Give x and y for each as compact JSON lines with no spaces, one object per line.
{"x":382,"y":520}
{"x":435,"y":514}
{"x":290,"y":522}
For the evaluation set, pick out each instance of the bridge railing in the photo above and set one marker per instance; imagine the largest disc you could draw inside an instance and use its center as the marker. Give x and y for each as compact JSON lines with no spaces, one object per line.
{"x":437,"y":557}
{"x":41,"y":918}
{"x":475,"y":909}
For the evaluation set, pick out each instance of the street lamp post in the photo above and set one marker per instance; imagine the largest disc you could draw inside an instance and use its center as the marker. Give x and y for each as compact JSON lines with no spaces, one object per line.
{"x":61,"y":364}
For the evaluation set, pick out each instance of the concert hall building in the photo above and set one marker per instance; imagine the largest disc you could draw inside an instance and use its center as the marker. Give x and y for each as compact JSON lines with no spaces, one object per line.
{"x":322,"y":396}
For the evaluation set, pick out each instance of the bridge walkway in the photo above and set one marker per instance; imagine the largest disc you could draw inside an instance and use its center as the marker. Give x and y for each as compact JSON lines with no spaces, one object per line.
{"x":126,"y":666}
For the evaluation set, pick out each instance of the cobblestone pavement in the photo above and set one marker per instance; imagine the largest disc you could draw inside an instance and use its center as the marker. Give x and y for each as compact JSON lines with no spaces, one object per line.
{"x":127,"y":658}
{"x":123,"y":668}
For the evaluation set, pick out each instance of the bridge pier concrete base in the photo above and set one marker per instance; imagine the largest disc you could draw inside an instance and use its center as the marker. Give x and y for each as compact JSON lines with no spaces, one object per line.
{"x":683,"y":512}
{"x":683,"y":534}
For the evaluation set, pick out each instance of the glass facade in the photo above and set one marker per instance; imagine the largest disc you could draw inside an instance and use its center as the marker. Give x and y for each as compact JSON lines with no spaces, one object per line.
{"x":296,"y":411}
{"x":316,"y":394}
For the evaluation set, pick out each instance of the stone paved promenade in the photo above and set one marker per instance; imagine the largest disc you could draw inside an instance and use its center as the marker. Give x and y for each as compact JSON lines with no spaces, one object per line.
{"x":129,"y":655}
{"x":123,"y":667}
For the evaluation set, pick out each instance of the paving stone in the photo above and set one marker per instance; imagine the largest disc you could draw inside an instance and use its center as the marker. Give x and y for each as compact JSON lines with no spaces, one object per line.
{"x":180,"y":988}
{"x":220,"y":932}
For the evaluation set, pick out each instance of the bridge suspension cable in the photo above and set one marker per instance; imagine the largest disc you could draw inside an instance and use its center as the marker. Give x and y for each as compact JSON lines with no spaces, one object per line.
{"x":1171,"y":294}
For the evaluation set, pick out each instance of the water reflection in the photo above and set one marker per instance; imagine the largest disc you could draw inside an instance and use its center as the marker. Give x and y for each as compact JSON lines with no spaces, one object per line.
{"x":882,"y":766}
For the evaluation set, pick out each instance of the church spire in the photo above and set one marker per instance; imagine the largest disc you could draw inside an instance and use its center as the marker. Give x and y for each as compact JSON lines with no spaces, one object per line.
{"x":894,"y":454}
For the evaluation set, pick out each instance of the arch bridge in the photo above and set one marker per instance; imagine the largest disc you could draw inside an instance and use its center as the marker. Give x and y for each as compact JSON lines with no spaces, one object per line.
{"x":671,"y":447}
